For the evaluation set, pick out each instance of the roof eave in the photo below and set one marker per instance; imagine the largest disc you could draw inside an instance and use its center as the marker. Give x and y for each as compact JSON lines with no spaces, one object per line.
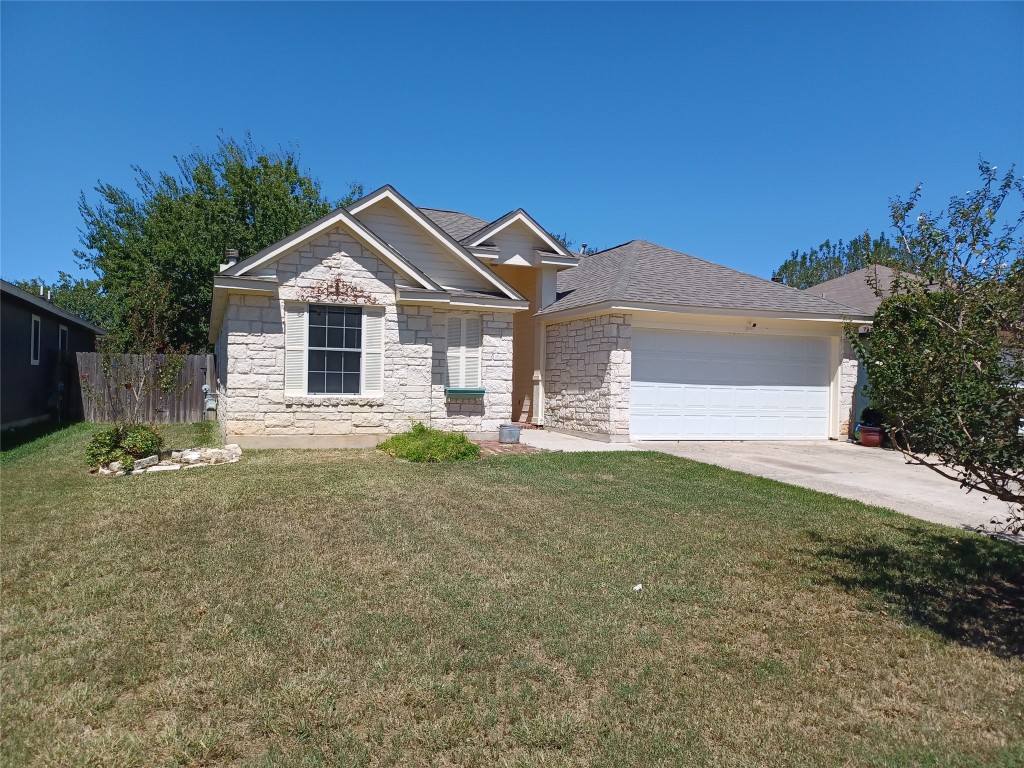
{"x":679,"y":309}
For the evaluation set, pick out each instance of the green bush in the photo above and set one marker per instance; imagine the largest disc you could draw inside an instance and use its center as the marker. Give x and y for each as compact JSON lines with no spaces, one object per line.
{"x":123,"y":445}
{"x":424,"y":444}
{"x":141,"y":441}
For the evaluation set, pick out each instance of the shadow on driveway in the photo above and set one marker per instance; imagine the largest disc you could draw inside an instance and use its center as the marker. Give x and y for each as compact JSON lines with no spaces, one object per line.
{"x":969,"y":589}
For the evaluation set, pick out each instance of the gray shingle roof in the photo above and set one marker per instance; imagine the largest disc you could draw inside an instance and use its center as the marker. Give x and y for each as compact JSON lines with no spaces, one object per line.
{"x":639,"y":271}
{"x":457,"y":225}
{"x":854,"y":290}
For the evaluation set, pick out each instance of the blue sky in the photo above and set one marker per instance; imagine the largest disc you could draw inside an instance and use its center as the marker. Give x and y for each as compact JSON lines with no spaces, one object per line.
{"x":735,"y":132}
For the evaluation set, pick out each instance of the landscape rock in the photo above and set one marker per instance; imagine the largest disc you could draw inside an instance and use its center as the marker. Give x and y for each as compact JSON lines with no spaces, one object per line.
{"x":186,"y":459}
{"x":149,"y":461}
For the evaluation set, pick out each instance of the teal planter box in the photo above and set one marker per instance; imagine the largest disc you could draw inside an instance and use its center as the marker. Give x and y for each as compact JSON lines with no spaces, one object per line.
{"x":464,"y":393}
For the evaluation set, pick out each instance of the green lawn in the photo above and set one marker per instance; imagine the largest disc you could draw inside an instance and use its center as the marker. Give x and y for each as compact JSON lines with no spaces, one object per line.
{"x":345,"y":608}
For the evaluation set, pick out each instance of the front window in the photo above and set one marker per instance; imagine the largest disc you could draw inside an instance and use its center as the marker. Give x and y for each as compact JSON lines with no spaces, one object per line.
{"x":335,"y":350}
{"x":37,"y":333}
{"x":62,"y":338}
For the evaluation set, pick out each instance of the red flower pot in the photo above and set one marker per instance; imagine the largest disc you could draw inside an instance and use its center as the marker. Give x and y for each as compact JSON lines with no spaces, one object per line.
{"x":870,"y":437}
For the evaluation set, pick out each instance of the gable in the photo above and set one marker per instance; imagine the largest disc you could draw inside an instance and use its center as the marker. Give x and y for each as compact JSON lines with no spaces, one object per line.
{"x":403,"y":233}
{"x":264,"y":260}
{"x":522,"y":220}
{"x":516,"y":244}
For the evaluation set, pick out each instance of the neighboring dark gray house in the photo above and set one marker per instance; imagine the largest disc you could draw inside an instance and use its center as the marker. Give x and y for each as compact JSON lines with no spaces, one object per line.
{"x":38,"y":374}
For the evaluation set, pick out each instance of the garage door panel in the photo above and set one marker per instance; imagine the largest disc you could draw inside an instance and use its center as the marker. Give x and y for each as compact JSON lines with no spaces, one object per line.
{"x":728,"y":387}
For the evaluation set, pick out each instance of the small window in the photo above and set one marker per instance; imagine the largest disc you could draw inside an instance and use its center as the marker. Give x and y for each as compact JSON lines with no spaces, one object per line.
{"x":37,"y":332}
{"x":62,"y":338}
{"x":335,"y":350}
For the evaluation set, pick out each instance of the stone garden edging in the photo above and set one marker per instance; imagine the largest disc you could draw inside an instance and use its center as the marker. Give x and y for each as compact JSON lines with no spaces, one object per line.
{"x":186,"y":459}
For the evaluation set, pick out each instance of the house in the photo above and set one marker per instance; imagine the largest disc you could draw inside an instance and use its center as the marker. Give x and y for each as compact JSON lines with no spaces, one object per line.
{"x":383,"y":314}
{"x":37,"y":366}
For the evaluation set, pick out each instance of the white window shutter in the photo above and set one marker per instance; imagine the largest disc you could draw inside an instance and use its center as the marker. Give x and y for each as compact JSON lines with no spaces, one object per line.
{"x":464,"y":342}
{"x":455,"y":351}
{"x":295,"y":330}
{"x":373,"y":350}
{"x":471,"y":351}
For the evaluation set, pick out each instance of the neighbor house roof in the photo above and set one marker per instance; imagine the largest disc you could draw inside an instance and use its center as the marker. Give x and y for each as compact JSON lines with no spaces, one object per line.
{"x":38,"y":301}
{"x":458,"y":225}
{"x":639,"y":272}
{"x":856,"y":289}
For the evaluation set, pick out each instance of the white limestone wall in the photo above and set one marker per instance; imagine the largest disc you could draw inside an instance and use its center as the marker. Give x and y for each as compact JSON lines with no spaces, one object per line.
{"x":849,"y":399}
{"x":587,"y":375}
{"x":335,"y":269}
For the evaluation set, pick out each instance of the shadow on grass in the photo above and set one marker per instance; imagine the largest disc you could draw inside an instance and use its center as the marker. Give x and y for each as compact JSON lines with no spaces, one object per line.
{"x":22,"y":441}
{"x":967,"y":588}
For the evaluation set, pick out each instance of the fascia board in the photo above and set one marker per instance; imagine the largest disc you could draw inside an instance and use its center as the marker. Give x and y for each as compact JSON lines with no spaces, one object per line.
{"x":632,"y":307}
{"x":549,"y":259}
{"x":508,"y":304}
{"x":234,"y":284}
{"x":19,"y":293}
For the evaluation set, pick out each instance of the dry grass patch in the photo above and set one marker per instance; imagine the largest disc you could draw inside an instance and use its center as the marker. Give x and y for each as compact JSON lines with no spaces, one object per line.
{"x":342,"y":608}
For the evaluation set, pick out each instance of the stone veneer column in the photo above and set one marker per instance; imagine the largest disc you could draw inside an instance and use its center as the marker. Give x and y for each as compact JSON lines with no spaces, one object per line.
{"x":587,"y":375}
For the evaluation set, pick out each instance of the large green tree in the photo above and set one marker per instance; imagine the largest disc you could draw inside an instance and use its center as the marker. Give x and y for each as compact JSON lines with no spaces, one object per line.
{"x":155,"y":251}
{"x":829,"y":260}
{"x":945,"y":357}
{"x":79,"y":296}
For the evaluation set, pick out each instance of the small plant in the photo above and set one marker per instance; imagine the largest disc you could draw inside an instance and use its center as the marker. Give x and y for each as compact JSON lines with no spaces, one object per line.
{"x":871,"y":417}
{"x":424,"y":444}
{"x":123,"y":444}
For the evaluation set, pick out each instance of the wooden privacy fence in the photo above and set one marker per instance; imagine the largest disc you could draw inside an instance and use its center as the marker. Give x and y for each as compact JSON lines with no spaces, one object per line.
{"x":183,"y":406}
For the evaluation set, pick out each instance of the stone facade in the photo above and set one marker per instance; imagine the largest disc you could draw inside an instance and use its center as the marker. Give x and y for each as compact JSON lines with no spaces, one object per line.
{"x":587,"y":376}
{"x":849,"y":373}
{"x":335,"y":269}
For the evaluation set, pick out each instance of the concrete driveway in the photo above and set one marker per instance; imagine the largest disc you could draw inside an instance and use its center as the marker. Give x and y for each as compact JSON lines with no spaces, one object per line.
{"x":872,"y":475}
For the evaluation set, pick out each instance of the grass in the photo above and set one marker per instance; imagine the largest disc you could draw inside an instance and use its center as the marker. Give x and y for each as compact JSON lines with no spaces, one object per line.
{"x":344,"y":608}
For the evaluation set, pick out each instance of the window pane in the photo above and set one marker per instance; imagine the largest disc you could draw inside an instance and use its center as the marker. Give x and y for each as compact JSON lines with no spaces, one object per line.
{"x":317,"y":315}
{"x":352,"y":338}
{"x":333,"y":383}
{"x":317,"y":337}
{"x":351,"y":362}
{"x":335,"y":338}
{"x":334,"y":361}
{"x":316,"y":361}
{"x":351,"y":383}
{"x":35,"y":338}
{"x":315,"y":383}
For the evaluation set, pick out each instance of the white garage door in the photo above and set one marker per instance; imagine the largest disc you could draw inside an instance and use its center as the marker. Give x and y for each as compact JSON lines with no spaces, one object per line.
{"x":718,"y":386}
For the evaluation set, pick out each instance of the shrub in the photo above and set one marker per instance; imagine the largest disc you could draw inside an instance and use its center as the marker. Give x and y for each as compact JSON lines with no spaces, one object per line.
{"x":141,"y":441}
{"x":123,"y":444}
{"x":424,"y":444}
